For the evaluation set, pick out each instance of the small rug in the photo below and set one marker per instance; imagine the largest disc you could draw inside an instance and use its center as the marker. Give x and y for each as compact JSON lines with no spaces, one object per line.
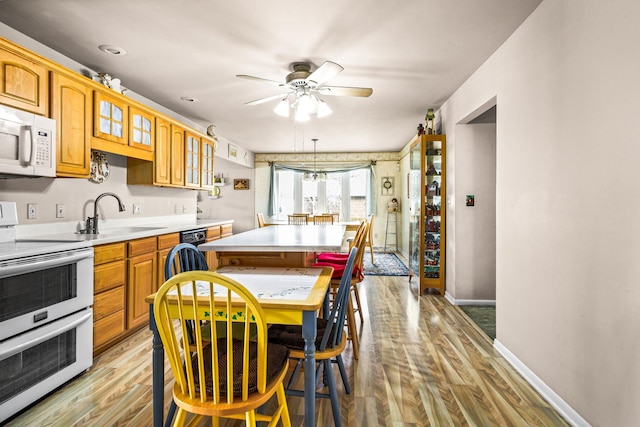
{"x":386,"y":264}
{"x":484,"y":316}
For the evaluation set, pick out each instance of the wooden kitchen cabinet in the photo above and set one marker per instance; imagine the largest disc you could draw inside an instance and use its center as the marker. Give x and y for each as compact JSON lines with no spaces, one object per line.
{"x":110,"y":118}
{"x":178,"y":148}
{"x":141,"y":128}
{"x":24,"y":84}
{"x":206,"y":163}
{"x":167,"y":167}
{"x":226,"y":230}
{"x":192,"y":160}
{"x":141,"y":279}
{"x":109,"y":319}
{"x":71,"y":108}
{"x":215,"y":233}
{"x":165,"y":243}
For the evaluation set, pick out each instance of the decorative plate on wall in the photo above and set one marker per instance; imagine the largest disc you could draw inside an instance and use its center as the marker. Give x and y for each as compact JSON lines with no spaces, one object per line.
{"x":99,"y":167}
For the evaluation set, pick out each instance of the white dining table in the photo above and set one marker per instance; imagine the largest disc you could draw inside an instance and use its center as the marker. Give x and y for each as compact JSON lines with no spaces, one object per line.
{"x":285,"y":246}
{"x":288,"y":295}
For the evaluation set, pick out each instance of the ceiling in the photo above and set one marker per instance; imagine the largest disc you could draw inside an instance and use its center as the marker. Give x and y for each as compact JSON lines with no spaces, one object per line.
{"x":413,"y":53}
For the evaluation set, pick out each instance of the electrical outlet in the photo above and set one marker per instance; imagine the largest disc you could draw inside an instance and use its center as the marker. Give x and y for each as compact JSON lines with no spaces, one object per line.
{"x":32,"y":211}
{"x":136,"y":208}
{"x":175,"y":209}
{"x":59,"y":211}
{"x":184,"y":209}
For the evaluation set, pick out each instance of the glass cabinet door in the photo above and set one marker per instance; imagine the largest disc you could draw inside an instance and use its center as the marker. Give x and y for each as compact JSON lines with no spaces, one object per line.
{"x":415,"y":203}
{"x":432,"y":209}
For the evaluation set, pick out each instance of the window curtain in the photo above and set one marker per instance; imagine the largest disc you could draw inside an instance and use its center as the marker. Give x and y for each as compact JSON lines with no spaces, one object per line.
{"x":273,"y":191}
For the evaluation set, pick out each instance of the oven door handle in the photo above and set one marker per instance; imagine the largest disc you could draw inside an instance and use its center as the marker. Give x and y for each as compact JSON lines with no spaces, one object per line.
{"x":46,"y":261}
{"x":42,"y":338}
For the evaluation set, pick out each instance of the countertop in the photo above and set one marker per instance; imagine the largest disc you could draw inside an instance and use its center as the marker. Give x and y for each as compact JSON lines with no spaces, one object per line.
{"x":111,"y":232}
{"x":282,"y":238}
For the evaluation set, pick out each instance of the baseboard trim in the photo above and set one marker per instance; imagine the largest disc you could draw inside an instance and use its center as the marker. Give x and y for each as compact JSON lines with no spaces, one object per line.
{"x":454,"y":301}
{"x":566,"y":411}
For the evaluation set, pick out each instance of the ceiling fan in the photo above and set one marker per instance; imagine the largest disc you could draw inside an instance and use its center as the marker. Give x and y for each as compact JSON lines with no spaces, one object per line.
{"x":303,"y":87}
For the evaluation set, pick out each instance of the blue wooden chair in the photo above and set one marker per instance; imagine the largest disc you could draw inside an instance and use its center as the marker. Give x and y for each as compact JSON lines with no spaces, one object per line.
{"x":330,"y":342}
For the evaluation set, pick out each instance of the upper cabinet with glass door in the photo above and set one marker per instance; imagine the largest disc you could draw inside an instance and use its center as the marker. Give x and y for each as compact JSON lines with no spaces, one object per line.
{"x":141,"y":128}
{"x":110,"y":118}
{"x":192,"y":160}
{"x":122,"y":128}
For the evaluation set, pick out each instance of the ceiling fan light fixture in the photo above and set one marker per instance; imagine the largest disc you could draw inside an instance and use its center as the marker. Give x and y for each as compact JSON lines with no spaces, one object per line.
{"x":282,"y":109}
{"x":323,"y":109}
{"x":301,"y":115}
{"x":305,"y":103}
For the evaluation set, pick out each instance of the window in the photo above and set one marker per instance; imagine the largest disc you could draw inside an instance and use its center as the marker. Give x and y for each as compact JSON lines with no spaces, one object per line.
{"x":345,"y":193}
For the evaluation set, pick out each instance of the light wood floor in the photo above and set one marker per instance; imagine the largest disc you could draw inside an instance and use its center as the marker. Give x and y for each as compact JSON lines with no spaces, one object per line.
{"x":422,"y":363}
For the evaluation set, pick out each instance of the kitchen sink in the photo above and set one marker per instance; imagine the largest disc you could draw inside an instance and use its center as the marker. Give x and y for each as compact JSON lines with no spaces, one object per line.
{"x":79,"y":237}
{"x":118,"y":231}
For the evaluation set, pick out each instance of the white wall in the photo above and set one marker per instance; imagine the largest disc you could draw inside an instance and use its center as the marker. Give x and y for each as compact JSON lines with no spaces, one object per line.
{"x":475,"y":165}
{"x":568,"y":235}
{"x":233,"y":204}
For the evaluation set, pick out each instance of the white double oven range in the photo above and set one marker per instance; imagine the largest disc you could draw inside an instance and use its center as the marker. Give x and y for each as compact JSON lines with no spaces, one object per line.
{"x":46,"y":320}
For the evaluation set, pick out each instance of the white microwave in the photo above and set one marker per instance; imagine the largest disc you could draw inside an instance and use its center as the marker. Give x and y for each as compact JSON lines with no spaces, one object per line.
{"x":27,"y":144}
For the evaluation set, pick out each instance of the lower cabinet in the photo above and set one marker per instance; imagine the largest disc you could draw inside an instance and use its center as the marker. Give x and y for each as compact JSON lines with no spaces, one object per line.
{"x":165,"y":243}
{"x":141,"y":279}
{"x":109,"y":317}
{"x":215,"y":233}
{"x":125,"y":273}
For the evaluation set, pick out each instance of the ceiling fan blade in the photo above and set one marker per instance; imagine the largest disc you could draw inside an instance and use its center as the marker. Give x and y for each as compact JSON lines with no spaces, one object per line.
{"x":267,"y":99}
{"x":326,"y":71}
{"x":345,"y":91}
{"x":260,"y":79}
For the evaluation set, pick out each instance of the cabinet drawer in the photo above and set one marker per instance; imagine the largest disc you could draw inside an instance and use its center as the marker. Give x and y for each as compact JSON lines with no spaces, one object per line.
{"x":108,"y":328}
{"x":108,"y":302}
{"x":226,"y":230}
{"x":141,"y":246}
{"x":167,"y":241}
{"x":107,"y":253}
{"x":213,"y":233}
{"x":108,"y":276}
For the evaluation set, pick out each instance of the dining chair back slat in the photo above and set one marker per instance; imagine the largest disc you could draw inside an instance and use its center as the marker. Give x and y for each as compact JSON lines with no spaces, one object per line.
{"x":297,"y":219}
{"x":323,"y":219}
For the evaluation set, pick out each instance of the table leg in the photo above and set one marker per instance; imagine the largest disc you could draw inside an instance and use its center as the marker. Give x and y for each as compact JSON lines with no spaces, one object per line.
{"x":157,"y":359}
{"x":309,"y":334}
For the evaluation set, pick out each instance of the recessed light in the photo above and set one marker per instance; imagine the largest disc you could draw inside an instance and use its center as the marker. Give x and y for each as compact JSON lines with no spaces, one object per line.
{"x":188,"y":99}
{"x":112,"y":50}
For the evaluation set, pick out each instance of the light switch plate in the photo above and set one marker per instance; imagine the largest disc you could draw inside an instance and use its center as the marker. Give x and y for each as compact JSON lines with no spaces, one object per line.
{"x":136,"y":208}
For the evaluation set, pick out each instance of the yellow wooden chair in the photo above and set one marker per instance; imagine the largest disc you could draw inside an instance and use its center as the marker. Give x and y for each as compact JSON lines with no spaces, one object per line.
{"x":369,"y":241}
{"x":298,"y":219}
{"x":260,"y":220}
{"x":213,"y":381}
{"x":323,"y":219}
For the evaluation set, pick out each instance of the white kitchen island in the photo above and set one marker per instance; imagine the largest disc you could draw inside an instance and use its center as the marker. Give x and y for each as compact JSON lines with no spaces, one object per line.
{"x":277,"y":246}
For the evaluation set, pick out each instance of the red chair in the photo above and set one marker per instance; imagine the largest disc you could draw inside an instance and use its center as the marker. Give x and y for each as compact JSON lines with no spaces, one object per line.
{"x":337,"y":258}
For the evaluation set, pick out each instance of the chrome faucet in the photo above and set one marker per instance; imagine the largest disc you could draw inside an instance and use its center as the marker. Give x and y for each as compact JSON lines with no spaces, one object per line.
{"x":92,"y":221}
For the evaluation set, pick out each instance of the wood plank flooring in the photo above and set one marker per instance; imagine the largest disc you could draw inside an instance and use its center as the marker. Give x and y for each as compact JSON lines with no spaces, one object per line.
{"x":422,"y":363}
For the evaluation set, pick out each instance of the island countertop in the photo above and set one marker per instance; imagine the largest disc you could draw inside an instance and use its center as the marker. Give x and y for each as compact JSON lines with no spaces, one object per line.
{"x":282,"y":238}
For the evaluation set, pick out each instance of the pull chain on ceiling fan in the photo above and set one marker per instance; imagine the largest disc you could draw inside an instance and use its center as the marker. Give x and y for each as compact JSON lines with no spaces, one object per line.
{"x":304,"y":89}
